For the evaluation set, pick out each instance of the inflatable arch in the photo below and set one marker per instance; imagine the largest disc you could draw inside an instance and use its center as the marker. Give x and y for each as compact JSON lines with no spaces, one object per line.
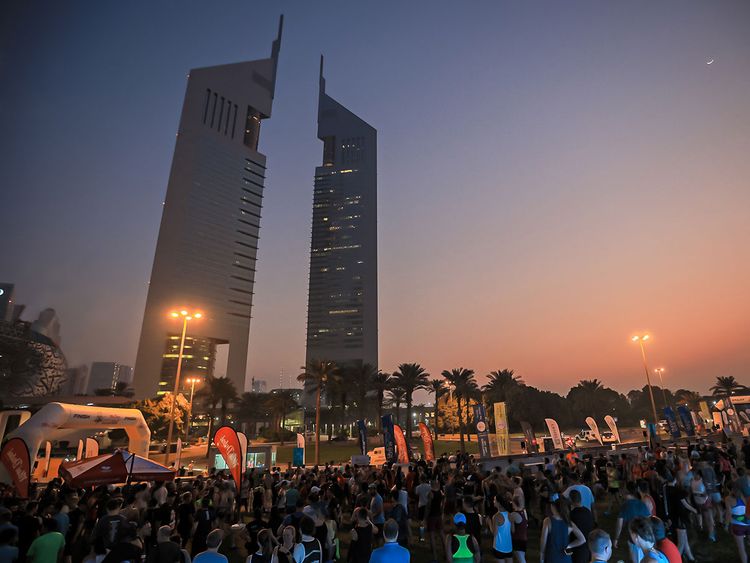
{"x":5,"y":416}
{"x":55,"y":420}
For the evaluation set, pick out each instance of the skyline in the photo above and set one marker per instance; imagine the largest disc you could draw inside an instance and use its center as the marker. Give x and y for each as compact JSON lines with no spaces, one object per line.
{"x":635,"y":221}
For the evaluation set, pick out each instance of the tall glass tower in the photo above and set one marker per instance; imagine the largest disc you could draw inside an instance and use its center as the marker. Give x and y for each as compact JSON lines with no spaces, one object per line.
{"x":208,"y":239}
{"x":342,"y":315}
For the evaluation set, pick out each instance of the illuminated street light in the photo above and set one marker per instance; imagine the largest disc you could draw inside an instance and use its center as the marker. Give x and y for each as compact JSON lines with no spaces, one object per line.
{"x":186,"y":317}
{"x":641,"y":339}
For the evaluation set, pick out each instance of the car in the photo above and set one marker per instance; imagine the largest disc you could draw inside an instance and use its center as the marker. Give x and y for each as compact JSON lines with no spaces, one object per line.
{"x":608,"y":437}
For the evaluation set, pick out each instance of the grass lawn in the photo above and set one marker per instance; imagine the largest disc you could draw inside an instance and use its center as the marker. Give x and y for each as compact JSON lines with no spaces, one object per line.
{"x":342,"y":452}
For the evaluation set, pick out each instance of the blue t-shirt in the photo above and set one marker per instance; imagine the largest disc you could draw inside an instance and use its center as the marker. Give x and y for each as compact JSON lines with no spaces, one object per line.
{"x":587,"y":497}
{"x":390,"y":553}
{"x":632,"y":508}
{"x":210,"y":557}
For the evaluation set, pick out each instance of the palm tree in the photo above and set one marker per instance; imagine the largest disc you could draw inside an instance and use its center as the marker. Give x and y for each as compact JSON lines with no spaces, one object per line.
{"x":726,"y":386}
{"x":280,"y":403}
{"x":691,"y":398}
{"x":397,"y":396}
{"x":361,"y":379}
{"x":500,"y":380}
{"x":410,"y":378}
{"x":463,"y":385}
{"x":437,"y":388}
{"x":316,"y":377}
{"x":217,"y":391}
{"x":251,"y":408}
{"x":381,"y":382}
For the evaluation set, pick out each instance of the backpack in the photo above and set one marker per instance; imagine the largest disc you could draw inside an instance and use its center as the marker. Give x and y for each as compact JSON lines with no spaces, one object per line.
{"x":313,"y":552}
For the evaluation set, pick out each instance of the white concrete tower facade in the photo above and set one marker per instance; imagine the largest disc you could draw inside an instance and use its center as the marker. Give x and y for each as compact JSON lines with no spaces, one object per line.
{"x":208,"y":239}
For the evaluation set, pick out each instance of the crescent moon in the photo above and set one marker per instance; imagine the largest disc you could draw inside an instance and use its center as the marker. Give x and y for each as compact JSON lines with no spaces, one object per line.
{"x":710,"y":62}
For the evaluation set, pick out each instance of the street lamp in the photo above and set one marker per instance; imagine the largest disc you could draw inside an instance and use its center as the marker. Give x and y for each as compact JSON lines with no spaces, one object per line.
{"x":186,"y":318}
{"x":641,"y":340}
{"x":660,"y":371}
{"x":192,"y":381}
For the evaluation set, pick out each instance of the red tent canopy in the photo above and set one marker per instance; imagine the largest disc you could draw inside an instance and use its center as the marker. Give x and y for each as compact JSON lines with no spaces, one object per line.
{"x":113,"y":468}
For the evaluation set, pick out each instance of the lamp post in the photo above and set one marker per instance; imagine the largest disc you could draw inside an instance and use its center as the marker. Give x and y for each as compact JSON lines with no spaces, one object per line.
{"x":186,"y":317}
{"x":660,"y":371}
{"x":192,"y":381}
{"x":641,"y":340}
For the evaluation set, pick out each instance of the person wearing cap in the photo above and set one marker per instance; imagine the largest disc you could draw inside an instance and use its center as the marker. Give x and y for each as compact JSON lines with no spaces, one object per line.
{"x":391,"y":552}
{"x":460,"y":546}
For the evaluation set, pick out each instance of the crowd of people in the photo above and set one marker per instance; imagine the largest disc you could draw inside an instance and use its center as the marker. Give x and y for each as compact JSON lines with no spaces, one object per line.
{"x":659,"y":503}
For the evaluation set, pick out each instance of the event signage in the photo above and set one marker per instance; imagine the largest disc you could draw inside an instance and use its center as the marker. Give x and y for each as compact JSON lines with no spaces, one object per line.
{"x":403,"y":450}
{"x":79,"y":452}
{"x":528,"y":433}
{"x":669,"y":416}
{"x":429,"y":446}
{"x":483,"y":437}
{"x":389,"y":440}
{"x":92,"y":448}
{"x":612,"y":427}
{"x":501,"y":429}
{"x":15,"y":458}
{"x":242,"y":437}
{"x":595,"y":429}
{"x":362,"y":437}
{"x":298,"y":457}
{"x":687,"y":420}
{"x":554,"y":432}
{"x":228,"y":444}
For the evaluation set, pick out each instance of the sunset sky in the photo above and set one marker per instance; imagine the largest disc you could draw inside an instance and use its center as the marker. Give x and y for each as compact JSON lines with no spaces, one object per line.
{"x":554,"y":177}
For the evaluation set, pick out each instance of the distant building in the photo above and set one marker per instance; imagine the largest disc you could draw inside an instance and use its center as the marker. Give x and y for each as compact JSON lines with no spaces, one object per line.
{"x":198,"y":360}
{"x":208,"y":238}
{"x":295,"y":392}
{"x":77,"y":381}
{"x":106,"y":375}
{"x":259,"y":386}
{"x":342,"y":313}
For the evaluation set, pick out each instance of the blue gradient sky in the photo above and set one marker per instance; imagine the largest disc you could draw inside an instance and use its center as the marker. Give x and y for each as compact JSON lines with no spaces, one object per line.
{"x":553,"y":175}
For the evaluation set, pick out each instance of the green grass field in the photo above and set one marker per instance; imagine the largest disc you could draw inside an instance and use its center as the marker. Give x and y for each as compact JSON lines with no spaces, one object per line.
{"x":341,"y":452}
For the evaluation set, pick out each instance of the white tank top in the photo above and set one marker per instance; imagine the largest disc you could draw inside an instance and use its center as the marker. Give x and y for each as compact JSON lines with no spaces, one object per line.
{"x":502,"y":542}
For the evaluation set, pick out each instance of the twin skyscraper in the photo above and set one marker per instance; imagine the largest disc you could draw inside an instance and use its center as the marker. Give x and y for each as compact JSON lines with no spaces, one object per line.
{"x":210,"y":230}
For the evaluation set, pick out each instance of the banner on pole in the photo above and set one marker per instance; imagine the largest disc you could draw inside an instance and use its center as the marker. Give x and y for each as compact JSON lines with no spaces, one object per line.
{"x":528,"y":433}
{"x":92,"y":448}
{"x":300,"y":440}
{"x":612,"y":427}
{"x":362,"y":433}
{"x":15,"y":457}
{"x":595,"y":429}
{"x":687,"y":420}
{"x":554,"y":432}
{"x":480,"y":423}
{"x":501,"y":429}
{"x":705,"y":412}
{"x":79,"y":453}
{"x":669,"y":416}
{"x":389,"y":440}
{"x":228,"y":444}
{"x":242,"y":437}
{"x":403,"y":450}
{"x":429,"y":445}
